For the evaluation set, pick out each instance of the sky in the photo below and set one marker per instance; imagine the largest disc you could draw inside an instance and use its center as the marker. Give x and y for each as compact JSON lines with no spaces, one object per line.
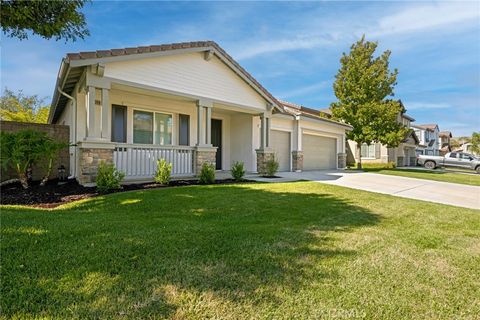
{"x":292,"y":48}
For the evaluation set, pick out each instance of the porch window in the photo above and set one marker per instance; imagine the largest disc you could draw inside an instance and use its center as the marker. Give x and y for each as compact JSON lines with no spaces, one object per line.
{"x":368,"y":151}
{"x":149,"y":128}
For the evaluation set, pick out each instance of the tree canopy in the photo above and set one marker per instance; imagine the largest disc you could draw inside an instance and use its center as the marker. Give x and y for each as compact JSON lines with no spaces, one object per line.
{"x":59,"y":19}
{"x":475,"y":148}
{"x":23,"y":108}
{"x":363,"y":86}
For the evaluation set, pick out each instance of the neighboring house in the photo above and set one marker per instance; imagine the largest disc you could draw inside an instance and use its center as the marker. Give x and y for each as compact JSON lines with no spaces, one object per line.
{"x":444,"y":142}
{"x":428,"y":134}
{"x":403,"y":155}
{"x":190,"y":103}
{"x":467,"y":148}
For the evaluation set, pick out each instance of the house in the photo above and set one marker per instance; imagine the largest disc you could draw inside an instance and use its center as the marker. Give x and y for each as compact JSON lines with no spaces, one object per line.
{"x":467,"y":148}
{"x":403,"y":155}
{"x":444,"y":142}
{"x":428,"y":134}
{"x":190,"y":103}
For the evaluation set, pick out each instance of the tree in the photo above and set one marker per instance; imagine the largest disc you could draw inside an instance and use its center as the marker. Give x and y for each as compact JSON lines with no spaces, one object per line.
{"x":22,"y":108}
{"x":59,"y":19}
{"x":362,"y":86}
{"x":475,"y":141}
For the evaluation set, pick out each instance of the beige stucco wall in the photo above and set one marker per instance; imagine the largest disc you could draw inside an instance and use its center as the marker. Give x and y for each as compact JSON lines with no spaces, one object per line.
{"x":188,"y":73}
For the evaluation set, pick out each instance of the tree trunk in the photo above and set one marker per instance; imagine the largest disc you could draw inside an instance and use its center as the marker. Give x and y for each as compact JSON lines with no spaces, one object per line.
{"x":47,"y":175}
{"x":22,"y":177}
{"x":359,"y":150}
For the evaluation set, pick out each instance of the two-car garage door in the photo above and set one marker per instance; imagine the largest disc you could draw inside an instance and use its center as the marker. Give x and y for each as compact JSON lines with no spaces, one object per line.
{"x":319,"y":152}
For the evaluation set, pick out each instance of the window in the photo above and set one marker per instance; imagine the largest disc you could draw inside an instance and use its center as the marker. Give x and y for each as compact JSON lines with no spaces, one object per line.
{"x":184,"y":130}
{"x":453,"y":155}
{"x":466,"y":156}
{"x":119,"y":123}
{"x":368,"y":151}
{"x":149,"y":128}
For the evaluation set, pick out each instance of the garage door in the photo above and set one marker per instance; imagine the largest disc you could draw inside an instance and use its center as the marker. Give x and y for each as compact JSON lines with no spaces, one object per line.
{"x":280,"y":142}
{"x":319,"y":152}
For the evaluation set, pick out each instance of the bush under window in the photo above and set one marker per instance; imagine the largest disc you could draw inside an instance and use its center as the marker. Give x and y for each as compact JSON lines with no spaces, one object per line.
{"x":108,"y":177}
{"x":207,"y":174}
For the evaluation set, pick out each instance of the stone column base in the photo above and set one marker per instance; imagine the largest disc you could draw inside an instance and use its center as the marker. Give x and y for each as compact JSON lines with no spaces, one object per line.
{"x":204,"y":155}
{"x":263,"y":156}
{"x":90,"y":159}
{"x":297,"y":161}
{"x":400,"y":161}
{"x":341,"y":160}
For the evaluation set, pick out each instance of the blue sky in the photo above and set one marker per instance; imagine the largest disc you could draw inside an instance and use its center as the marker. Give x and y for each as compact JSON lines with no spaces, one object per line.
{"x":292,"y":48}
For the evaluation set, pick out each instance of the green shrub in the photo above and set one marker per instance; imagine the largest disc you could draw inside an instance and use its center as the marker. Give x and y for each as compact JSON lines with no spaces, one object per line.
{"x":238,"y":171}
{"x":207,"y":175}
{"x":271,"y":167}
{"x":108,"y":177}
{"x":164,"y":170}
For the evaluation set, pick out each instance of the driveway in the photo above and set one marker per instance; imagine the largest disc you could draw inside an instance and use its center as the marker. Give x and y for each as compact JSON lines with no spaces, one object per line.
{"x":426,"y":190}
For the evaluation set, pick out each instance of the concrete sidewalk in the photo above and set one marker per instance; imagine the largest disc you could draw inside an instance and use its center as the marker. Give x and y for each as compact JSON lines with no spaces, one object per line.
{"x":427,"y":190}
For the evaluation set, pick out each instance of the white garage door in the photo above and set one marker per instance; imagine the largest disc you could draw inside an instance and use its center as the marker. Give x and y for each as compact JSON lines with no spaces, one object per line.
{"x":280,"y":142}
{"x":319,"y":152}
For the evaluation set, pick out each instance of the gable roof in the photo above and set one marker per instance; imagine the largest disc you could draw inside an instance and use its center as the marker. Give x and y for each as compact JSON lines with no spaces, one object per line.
{"x":429,"y":127}
{"x":71,"y":67}
{"x":445,"y":134}
{"x":411,"y":133}
{"x":299,"y":110}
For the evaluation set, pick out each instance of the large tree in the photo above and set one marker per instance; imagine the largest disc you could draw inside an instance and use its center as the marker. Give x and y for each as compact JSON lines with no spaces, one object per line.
{"x":475,"y":140}
{"x":22,"y":108}
{"x":362,"y":86}
{"x":59,"y":19}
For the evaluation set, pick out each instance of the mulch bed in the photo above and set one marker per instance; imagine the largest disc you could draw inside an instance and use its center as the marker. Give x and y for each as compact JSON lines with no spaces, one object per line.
{"x":54,"y":194}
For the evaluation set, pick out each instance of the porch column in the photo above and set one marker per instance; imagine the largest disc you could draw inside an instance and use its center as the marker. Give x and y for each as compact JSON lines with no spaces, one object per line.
{"x":264,"y":153}
{"x":90,"y":112}
{"x":106,"y":131}
{"x":209,"y":125}
{"x":263,"y":132}
{"x":200,"y":126}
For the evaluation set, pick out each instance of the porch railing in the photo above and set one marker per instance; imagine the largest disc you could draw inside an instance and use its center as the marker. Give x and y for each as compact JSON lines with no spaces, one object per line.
{"x":140,"y":161}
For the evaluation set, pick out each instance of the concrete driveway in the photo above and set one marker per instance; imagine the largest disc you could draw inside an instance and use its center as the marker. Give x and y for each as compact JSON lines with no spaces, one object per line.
{"x":427,"y":190}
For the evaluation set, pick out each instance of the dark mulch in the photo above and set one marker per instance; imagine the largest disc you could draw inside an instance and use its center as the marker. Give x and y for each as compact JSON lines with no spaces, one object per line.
{"x":54,"y":193}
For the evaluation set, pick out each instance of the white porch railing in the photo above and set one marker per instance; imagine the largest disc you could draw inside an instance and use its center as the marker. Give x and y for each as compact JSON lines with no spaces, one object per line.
{"x":140,"y":161}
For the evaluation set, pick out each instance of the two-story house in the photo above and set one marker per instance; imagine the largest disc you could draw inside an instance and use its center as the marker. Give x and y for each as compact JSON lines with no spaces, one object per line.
{"x":444,"y":141}
{"x":428,"y":134}
{"x":403,"y":155}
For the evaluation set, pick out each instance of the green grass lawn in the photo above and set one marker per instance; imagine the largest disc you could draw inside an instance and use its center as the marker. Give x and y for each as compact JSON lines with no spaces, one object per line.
{"x":437,"y":175}
{"x":299,"y":250}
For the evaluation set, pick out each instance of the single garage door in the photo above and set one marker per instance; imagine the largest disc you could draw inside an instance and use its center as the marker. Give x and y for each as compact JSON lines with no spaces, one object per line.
{"x":280,"y":142}
{"x":319,"y":152}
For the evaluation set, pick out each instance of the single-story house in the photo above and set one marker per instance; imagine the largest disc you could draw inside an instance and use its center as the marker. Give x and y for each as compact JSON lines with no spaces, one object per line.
{"x":189,"y":103}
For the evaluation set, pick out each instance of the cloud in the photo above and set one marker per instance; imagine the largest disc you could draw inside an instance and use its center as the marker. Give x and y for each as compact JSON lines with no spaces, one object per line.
{"x":304,"y":90}
{"x":426,"y":105}
{"x":425,"y":17}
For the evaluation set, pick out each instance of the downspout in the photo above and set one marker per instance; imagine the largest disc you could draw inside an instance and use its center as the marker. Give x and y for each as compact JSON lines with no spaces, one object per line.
{"x":74,"y":125}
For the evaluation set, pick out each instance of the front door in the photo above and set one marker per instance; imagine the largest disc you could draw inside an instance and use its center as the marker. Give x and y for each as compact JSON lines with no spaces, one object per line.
{"x":217,"y":141}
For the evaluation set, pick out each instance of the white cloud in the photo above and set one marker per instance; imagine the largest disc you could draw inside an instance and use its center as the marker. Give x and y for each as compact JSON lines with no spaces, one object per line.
{"x":426,"y":105}
{"x":304,"y":90}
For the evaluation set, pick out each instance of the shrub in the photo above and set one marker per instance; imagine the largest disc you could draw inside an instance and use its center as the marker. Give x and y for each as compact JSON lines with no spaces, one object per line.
{"x":271,"y":167}
{"x":20,"y":150}
{"x":238,"y":171}
{"x":207,"y":175}
{"x":164,"y":170}
{"x":108,"y":177}
{"x":50,"y":149}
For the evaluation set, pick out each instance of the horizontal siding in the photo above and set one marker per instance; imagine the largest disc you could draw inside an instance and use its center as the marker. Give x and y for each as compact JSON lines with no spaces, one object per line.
{"x":189,"y":73}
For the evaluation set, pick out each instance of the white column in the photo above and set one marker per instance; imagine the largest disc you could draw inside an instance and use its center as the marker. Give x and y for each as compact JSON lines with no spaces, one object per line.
{"x":105,"y":114}
{"x":209,"y":125}
{"x":263,"y":131}
{"x":267,"y":134}
{"x":90,"y":112}
{"x":200,"y":126}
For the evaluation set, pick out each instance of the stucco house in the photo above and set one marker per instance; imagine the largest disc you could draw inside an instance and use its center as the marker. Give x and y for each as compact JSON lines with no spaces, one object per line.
{"x":189,"y":103}
{"x":444,"y":138}
{"x":429,"y":136}
{"x":403,"y":155}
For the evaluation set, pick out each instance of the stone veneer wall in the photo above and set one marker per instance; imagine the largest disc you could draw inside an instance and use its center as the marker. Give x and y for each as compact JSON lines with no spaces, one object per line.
{"x":263,"y":156}
{"x":90,"y":159}
{"x":59,"y":132}
{"x":204,"y":156}
{"x":297,"y":160}
{"x":342,"y":160}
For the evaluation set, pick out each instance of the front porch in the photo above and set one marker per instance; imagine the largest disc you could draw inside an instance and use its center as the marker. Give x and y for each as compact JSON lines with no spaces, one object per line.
{"x":133,"y":128}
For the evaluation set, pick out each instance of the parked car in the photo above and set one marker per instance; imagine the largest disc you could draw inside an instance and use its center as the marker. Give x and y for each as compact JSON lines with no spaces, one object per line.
{"x":451,"y":159}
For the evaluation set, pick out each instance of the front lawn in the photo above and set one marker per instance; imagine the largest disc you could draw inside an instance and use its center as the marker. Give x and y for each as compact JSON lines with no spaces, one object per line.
{"x":299,"y":250}
{"x":437,"y":175}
